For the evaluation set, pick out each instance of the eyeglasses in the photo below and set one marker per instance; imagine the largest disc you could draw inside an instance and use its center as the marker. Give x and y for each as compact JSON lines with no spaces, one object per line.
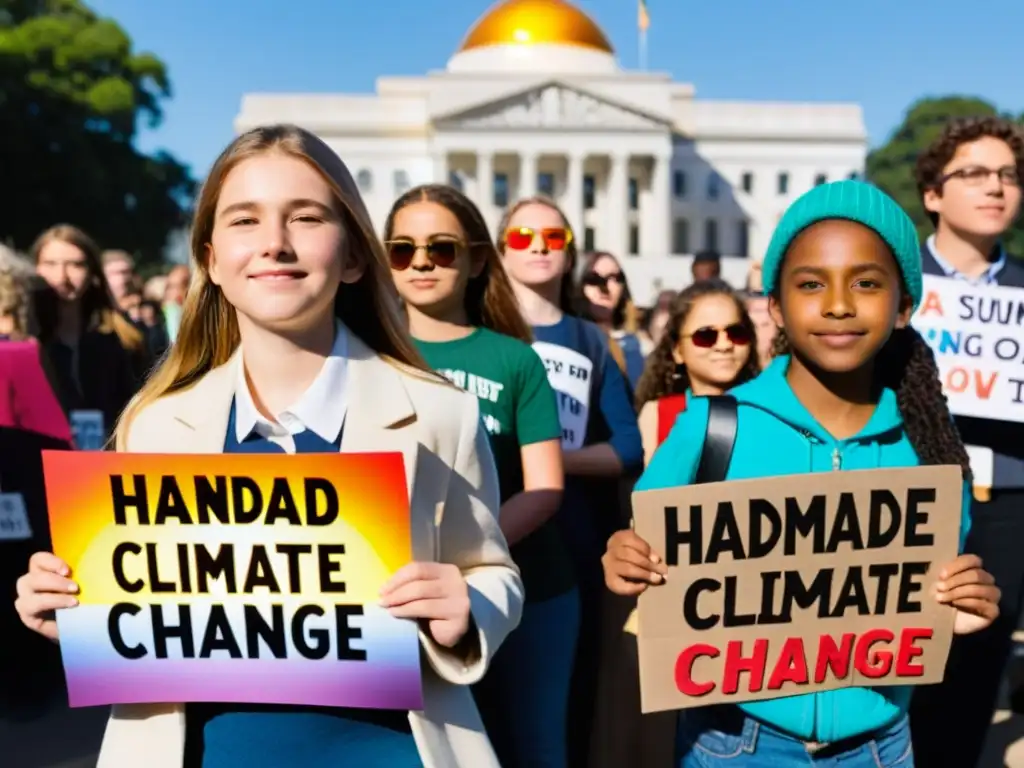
{"x":601,"y":281}
{"x":976,"y":175}
{"x":705,"y":338}
{"x":520,"y":238}
{"x":442,"y":253}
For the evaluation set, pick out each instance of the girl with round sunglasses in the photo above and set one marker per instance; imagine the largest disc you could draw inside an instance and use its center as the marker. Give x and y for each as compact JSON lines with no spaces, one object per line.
{"x":853,"y":387}
{"x":707,"y":349}
{"x":292,"y":341}
{"x":465,"y":321}
{"x":600,"y":439}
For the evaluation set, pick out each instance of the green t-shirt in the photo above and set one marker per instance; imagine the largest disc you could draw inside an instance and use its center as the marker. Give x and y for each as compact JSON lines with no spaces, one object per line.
{"x":518,"y":408}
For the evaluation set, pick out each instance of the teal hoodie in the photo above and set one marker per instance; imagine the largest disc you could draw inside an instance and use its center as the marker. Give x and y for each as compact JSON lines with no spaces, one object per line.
{"x":778,"y":436}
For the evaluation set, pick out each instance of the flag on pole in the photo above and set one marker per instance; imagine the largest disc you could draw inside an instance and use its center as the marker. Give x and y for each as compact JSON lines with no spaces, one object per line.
{"x":643,"y":18}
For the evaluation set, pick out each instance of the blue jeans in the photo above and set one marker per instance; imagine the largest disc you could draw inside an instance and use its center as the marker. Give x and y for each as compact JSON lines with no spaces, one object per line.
{"x":716,"y":738}
{"x":524,"y":697}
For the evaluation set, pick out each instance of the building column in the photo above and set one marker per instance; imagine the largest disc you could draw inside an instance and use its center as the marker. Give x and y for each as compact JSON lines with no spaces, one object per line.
{"x":616,"y":219}
{"x":441,"y":168}
{"x":573,"y":200}
{"x":485,"y":186}
{"x":658,"y":241}
{"x":527,"y":175}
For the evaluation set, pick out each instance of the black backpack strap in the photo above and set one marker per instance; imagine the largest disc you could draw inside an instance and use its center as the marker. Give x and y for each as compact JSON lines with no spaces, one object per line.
{"x":719,"y":440}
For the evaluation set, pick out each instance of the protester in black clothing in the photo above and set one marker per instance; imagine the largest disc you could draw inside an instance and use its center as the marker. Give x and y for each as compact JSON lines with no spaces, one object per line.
{"x":970,"y":182}
{"x":98,"y":355}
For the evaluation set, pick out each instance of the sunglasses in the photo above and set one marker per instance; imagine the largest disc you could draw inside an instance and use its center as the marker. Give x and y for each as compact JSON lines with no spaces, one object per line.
{"x":705,"y":338}
{"x":520,"y":238}
{"x":442,"y":253}
{"x":601,"y":281}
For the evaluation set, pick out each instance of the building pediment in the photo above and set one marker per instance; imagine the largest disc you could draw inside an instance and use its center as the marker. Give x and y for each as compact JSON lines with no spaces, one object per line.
{"x":553,"y":106}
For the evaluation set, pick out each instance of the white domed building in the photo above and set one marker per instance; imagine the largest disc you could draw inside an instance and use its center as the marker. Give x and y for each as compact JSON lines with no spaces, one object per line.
{"x":534,"y":101}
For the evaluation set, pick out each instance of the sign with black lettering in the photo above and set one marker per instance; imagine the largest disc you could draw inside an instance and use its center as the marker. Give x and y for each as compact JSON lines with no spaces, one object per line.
{"x":233,"y":578}
{"x":796,"y":584}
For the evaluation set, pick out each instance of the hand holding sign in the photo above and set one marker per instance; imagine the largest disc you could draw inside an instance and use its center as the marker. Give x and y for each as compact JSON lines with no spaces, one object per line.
{"x":42,"y":590}
{"x":432,"y":592}
{"x":971,"y":591}
{"x":630,"y":566}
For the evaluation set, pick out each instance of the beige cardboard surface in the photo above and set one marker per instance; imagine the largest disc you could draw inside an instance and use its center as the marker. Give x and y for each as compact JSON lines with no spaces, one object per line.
{"x":840,"y":597}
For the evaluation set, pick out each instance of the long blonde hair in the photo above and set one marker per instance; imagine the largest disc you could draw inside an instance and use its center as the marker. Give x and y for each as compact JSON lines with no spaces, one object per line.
{"x":98,"y":309}
{"x":208,"y":334}
{"x":567,"y":284}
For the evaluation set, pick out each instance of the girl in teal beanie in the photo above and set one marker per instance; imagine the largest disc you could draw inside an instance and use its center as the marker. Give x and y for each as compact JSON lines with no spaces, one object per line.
{"x":853,"y":386}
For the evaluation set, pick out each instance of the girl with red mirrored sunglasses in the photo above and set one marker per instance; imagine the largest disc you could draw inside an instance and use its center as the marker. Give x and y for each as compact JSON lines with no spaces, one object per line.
{"x":600,"y":439}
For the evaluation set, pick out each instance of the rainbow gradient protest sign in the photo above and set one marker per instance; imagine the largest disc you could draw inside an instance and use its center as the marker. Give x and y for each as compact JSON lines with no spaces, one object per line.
{"x":233,"y":578}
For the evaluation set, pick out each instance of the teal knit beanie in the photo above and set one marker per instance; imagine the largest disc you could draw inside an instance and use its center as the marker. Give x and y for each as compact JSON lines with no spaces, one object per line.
{"x":852,"y":201}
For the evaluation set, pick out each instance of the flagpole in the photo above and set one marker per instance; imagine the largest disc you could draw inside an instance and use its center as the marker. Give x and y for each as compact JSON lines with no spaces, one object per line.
{"x":643,"y":50}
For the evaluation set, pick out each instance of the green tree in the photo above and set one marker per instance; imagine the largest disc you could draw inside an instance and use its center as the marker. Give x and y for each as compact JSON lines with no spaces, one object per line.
{"x":72,"y":92}
{"x":891,"y":166}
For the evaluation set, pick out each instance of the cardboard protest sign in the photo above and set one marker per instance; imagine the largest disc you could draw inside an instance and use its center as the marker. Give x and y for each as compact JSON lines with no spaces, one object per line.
{"x":796,"y":584}
{"x":977,"y":334}
{"x":233,"y":578}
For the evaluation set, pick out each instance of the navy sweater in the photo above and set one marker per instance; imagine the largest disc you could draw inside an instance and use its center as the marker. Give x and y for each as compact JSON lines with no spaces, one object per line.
{"x":278,"y":736}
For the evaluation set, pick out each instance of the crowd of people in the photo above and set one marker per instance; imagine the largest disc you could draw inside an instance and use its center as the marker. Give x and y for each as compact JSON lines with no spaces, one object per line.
{"x":301,"y":329}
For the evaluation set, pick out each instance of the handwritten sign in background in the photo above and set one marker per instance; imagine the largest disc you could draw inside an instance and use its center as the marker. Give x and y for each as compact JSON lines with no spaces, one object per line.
{"x":373,"y":524}
{"x":977,"y":334}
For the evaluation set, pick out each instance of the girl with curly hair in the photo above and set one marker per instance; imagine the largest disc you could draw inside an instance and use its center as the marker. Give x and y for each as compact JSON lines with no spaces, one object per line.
{"x":853,"y":387}
{"x":707,"y":348}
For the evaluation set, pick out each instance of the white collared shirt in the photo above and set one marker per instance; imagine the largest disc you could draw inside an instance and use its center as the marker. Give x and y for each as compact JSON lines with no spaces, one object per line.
{"x":321,"y":409}
{"x":989,"y":277}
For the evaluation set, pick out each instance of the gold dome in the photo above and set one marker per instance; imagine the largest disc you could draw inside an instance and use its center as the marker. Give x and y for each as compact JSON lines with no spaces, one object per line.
{"x":529,"y":22}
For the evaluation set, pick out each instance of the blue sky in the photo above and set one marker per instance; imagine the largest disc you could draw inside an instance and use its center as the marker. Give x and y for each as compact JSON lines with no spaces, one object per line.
{"x":883,"y":54}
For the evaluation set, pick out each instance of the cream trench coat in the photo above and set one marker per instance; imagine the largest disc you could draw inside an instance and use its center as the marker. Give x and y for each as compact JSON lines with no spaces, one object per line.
{"x":453,"y":489}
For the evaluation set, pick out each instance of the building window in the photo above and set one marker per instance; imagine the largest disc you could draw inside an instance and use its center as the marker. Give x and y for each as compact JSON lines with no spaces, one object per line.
{"x":783,"y":184}
{"x":679,"y":184}
{"x":588,"y":239}
{"x":500,"y":196}
{"x":634,"y":240}
{"x":401,"y":182}
{"x":365,"y":181}
{"x":546,"y":184}
{"x":680,"y":236}
{"x":634,"y":195}
{"x":714,"y":182}
{"x":588,"y":192}
{"x":747,"y":182}
{"x":743,"y":238}
{"x":455,"y":180}
{"x":854,"y":175}
{"x":820,"y":179}
{"x":710,"y":235}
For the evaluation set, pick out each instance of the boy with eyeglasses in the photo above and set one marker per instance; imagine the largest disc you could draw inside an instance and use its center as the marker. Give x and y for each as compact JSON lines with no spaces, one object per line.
{"x":970,"y":183}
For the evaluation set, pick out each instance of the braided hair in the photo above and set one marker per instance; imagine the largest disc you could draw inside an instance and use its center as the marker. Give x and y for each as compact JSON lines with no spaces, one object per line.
{"x":662,"y":375}
{"x":906,"y":365}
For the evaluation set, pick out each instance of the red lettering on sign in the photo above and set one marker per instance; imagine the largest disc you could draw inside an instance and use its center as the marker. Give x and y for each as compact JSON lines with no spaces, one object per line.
{"x":684,"y":669}
{"x":874,"y":654}
{"x":736,"y":662}
{"x":932,"y":305}
{"x":791,"y":666}
{"x":833,"y":657}
{"x":909,"y":650}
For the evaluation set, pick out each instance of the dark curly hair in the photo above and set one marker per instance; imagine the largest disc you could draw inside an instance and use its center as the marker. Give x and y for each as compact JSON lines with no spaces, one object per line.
{"x":906,"y":365}
{"x":931,"y":163}
{"x":662,"y":376}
